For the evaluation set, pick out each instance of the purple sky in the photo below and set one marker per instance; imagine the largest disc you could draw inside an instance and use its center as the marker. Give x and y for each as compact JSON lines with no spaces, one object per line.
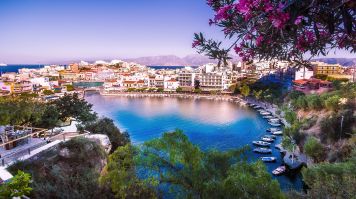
{"x":42,"y":31}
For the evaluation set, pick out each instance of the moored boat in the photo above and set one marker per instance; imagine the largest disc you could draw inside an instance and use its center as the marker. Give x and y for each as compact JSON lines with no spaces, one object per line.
{"x":266,"y":139}
{"x":268,"y":159}
{"x":274,"y":124}
{"x":279,"y":170}
{"x":261,"y":143}
{"x":267,"y":116}
{"x":262,"y":150}
{"x":270,"y":136}
{"x":277,"y":133}
{"x":273,"y":129}
{"x":274,"y":120}
{"x":264,"y":113}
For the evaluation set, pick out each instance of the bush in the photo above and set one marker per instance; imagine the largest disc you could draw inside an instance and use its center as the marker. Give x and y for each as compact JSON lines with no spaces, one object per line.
{"x":314,"y":102}
{"x":332,"y":103}
{"x":314,"y":149}
{"x":131,"y":90}
{"x":179,"y":89}
{"x":106,"y":126}
{"x":69,"y":171}
{"x":293,"y":95}
{"x":70,"y":87}
{"x":48,"y":92}
{"x":160,"y":90}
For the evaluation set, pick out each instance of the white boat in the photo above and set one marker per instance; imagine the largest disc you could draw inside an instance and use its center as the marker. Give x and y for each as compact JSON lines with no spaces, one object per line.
{"x":273,"y":129}
{"x":266,"y":139}
{"x":275,"y":120}
{"x":274,"y":124}
{"x":267,"y":116}
{"x":277,"y":133}
{"x":2,"y":64}
{"x":270,"y":136}
{"x":261,"y":143}
{"x":268,"y":159}
{"x":262,"y":150}
{"x":265,"y":113}
{"x":279,"y":170}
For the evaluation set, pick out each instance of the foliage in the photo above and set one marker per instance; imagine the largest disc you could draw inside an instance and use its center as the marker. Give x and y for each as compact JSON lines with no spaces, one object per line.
{"x":119,"y":174}
{"x":337,"y":180}
{"x":131,"y":90}
{"x":106,"y":126}
{"x":69,"y":171}
{"x":257,"y":94}
{"x":314,"y":102}
{"x":18,"y":186}
{"x":72,"y":106}
{"x":331,"y":126}
{"x":191,"y":173}
{"x":179,"y":89}
{"x":314,"y":149}
{"x":49,"y":118}
{"x":70,"y":87}
{"x":290,"y":116}
{"x":245,"y":90}
{"x":160,"y":90}
{"x":293,"y":28}
{"x":332,"y":103}
{"x":47,"y":92}
{"x":20,"y":111}
{"x":197,"y":90}
{"x":294,"y":94}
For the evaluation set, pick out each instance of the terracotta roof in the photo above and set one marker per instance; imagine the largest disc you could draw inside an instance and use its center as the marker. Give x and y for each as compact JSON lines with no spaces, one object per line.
{"x":301,"y":81}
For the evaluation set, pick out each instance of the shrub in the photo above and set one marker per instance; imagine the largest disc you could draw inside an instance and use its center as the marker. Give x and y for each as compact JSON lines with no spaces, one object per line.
{"x":332,"y":103}
{"x":314,"y":149}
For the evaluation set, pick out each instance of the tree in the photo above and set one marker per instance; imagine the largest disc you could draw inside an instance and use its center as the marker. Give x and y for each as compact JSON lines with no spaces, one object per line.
{"x":245,"y":90}
{"x":192,"y":173}
{"x":314,"y":149}
{"x":106,"y":126}
{"x":314,"y":102}
{"x":70,"y":87}
{"x":332,"y":103}
{"x":160,"y":90}
{"x":326,"y":180}
{"x":290,"y":116}
{"x":179,"y":89}
{"x":49,"y":118}
{"x":18,"y":186}
{"x":48,"y":92}
{"x":70,"y":105}
{"x":257,"y":94}
{"x":293,"y":28}
{"x":120,"y":175}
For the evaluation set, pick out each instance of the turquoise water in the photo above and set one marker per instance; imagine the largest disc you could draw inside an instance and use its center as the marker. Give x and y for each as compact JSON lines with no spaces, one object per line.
{"x":210,"y":124}
{"x":87,"y":84}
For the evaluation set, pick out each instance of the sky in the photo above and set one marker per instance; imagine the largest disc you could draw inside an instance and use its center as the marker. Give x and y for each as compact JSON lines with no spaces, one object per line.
{"x":43,"y":31}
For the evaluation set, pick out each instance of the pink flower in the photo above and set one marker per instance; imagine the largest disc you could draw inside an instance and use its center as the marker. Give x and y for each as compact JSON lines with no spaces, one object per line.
{"x":195,"y":43}
{"x":259,"y":40}
{"x":242,"y":7}
{"x":223,"y":13}
{"x":237,"y":49}
{"x":298,"y":20}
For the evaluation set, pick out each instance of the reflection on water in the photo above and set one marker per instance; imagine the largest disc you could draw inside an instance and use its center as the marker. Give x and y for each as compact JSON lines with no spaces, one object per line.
{"x":210,"y":124}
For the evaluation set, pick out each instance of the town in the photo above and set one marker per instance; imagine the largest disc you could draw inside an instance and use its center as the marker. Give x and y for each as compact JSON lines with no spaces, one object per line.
{"x":118,"y":76}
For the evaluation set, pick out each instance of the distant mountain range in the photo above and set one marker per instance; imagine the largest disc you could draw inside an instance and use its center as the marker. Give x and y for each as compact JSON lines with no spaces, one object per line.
{"x":341,"y":61}
{"x":172,"y":60}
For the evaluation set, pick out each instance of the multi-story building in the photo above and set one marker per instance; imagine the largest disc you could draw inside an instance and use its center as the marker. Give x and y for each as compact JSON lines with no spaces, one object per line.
{"x":212,"y":81}
{"x":171,"y":84}
{"x":187,"y":78}
{"x":327,"y":69}
{"x":303,"y":73}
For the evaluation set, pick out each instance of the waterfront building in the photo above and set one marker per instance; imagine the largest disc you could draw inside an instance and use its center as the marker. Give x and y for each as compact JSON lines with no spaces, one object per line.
{"x":213,"y":81}
{"x":187,"y":78}
{"x":327,"y":69}
{"x":312,"y":86}
{"x":171,"y":85}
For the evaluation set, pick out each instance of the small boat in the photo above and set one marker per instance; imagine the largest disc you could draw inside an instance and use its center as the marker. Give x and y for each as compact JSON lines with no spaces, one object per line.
{"x":256,"y":107}
{"x":270,"y":136}
{"x":274,"y":124}
{"x":279,"y":170}
{"x":267,"y":116}
{"x":268,"y":159}
{"x":273,"y":129}
{"x":264,"y":113}
{"x":261,"y":143}
{"x":277,"y":133}
{"x":262,"y":150}
{"x":265,"y":139}
{"x":274,"y":120}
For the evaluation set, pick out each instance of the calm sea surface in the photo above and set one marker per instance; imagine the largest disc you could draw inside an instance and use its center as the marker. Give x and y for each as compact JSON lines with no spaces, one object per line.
{"x":210,"y":124}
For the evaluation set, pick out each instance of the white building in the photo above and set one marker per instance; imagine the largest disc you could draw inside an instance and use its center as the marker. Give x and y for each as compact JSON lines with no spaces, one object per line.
{"x":303,"y":73}
{"x":171,"y":85}
{"x":186,"y":78}
{"x":213,"y":81}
